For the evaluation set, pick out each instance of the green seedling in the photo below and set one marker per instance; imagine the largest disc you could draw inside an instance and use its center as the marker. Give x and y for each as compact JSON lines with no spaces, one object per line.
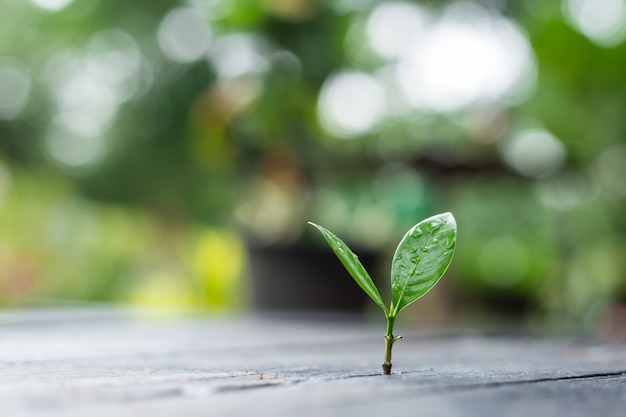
{"x":420,"y":260}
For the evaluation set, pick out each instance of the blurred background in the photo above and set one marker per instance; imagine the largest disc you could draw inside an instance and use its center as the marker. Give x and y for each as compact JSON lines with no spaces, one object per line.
{"x":169,"y":153}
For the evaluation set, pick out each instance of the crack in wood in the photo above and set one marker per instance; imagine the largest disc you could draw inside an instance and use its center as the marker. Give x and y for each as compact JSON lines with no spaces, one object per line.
{"x":243,"y":387}
{"x":497,"y":384}
{"x":457,"y":387}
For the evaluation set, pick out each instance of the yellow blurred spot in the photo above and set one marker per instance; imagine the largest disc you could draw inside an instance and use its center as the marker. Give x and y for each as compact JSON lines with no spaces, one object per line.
{"x":163,"y":290}
{"x":218,"y":259}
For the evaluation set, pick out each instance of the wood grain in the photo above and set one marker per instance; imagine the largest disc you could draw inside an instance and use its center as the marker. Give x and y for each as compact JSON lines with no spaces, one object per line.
{"x":107,"y":362}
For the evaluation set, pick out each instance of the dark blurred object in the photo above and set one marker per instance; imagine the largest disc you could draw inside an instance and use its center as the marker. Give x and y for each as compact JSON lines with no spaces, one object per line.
{"x":303,"y":277}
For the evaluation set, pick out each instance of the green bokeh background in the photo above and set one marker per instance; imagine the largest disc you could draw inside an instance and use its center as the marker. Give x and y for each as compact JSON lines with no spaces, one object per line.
{"x":194,"y":170}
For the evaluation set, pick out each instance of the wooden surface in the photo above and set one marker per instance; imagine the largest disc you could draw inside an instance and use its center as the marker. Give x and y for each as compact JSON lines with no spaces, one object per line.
{"x":112,"y":363}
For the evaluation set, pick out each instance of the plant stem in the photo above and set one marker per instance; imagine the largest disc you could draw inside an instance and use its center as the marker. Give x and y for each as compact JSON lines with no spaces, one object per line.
{"x":389,"y":341}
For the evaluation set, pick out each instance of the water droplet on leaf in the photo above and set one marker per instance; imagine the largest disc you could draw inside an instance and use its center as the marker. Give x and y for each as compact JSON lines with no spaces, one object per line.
{"x":425,"y":248}
{"x":419,"y":272}
{"x":435,"y":240}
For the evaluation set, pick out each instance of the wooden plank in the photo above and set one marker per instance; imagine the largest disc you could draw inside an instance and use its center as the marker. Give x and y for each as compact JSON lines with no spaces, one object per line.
{"x":107,"y":362}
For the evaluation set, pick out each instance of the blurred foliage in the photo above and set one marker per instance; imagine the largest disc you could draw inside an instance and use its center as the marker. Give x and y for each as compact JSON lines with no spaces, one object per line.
{"x":55,"y":243}
{"x":141,"y":143}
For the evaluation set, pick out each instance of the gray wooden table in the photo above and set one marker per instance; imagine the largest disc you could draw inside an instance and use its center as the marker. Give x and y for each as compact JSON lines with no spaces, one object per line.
{"x":113,"y":363}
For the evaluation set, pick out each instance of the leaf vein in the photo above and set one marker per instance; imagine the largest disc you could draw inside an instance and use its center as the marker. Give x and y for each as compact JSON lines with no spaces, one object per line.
{"x":408,"y":278}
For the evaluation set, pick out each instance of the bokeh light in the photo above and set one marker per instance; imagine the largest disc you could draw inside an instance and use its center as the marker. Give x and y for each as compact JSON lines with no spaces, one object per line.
{"x":534,"y":153}
{"x":87,"y":90}
{"x":611,"y":171}
{"x":239,"y":54}
{"x":15,"y":86}
{"x":51,"y":5}
{"x":351,"y":103}
{"x":184,"y":35}
{"x":602,"y":21}
{"x":73,"y":149}
{"x":466,"y":56}
{"x":393,"y":26}
{"x":240,"y":61}
{"x":115,"y":59}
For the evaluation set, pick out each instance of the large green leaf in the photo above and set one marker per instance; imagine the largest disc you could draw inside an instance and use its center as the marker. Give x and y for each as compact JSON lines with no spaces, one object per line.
{"x":421,"y":258}
{"x":352,"y":264}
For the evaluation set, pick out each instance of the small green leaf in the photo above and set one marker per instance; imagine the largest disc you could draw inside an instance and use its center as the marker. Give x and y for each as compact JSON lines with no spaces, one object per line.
{"x":421,"y":258}
{"x":352,"y":264}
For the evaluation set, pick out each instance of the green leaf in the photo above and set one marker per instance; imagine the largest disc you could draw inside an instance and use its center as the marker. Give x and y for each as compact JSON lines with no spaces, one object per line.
{"x":421,"y":258}
{"x":352,"y":264}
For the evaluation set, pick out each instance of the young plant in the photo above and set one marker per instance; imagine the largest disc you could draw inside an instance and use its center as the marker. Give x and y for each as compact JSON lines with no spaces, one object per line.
{"x":421,"y":258}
